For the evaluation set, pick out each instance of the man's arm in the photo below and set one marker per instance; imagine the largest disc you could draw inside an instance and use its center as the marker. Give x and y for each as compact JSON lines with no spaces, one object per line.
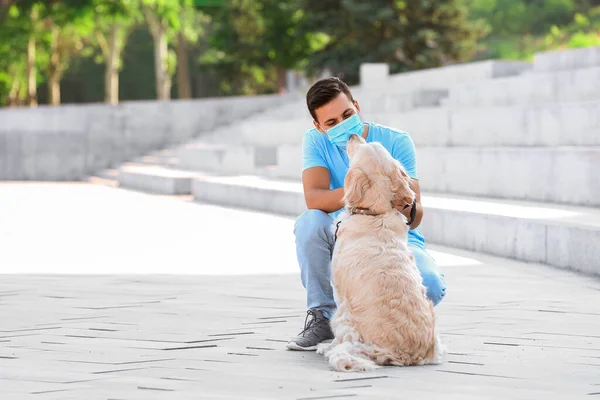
{"x":318,"y":196}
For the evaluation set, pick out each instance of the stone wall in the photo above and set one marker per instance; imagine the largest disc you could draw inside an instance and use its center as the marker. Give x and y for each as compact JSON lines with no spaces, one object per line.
{"x":72,"y":142}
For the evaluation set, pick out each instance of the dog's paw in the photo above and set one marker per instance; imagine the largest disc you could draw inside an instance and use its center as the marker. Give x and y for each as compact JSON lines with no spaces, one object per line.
{"x":323,"y":348}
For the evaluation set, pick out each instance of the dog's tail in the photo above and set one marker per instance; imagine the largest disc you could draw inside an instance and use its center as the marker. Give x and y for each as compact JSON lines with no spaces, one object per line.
{"x":351,"y":356}
{"x":357,"y":356}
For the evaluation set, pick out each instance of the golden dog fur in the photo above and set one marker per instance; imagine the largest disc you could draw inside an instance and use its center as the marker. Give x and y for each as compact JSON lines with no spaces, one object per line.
{"x":383,"y":315}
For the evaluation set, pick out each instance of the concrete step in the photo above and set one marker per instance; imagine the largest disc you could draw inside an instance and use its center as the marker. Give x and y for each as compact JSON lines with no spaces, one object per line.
{"x":167,"y":161}
{"x":446,"y":77}
{"x":547,"y":87}
{"x":289,"y":162}
{"x":252,"y":192}
{"x":274,"y":132}
{"x":372,"y":101}
{"x":155,"y":179}
{"x":567,"y":59}
{"x":222,"y":158}
{"x":565,"y":124}
{"x":108,"y":174}
{"x":567,"y":175}
{"x":561,"y":236}
{"x":289,"y":127}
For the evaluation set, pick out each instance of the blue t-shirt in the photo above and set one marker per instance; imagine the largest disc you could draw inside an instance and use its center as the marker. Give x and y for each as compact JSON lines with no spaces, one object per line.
{"x":318,"y":151}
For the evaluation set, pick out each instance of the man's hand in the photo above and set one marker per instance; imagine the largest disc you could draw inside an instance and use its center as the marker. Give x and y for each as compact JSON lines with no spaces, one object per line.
{"x":402,"y":207}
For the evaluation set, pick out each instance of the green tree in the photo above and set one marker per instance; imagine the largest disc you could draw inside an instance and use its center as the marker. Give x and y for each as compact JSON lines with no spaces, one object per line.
{"x":583,"y":31}
{"x":69,"y":29}
{"x":14,"y":40}
{"x":162,"y":17}
{"x":113,"y":23}
{"x":519,"y":17}
{"x":406,"y":34}
{"x":255,"y":41}
{"x":32,"y":39}
{"x":5,"y":6}
{"x":519,"y":28}
{"x":193,"y":24}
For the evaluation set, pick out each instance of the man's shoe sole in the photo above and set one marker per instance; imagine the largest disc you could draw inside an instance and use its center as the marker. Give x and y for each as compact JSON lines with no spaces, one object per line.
{"x":294,"y":346}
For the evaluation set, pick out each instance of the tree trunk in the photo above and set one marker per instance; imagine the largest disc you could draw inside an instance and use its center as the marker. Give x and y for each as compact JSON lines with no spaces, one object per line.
{"x":31,"y":70}
{"x":31,"y":74}
{"x":13,"y":95}
{"x":54,"y":74}
{"x":54,"y":89}
{"x":111,"y":74}
{"x":159,"y":34}
{"x":184,"y":85}
{"x":4,"y":6}
{"x":163,"y":79}
{"x":281,"y":80}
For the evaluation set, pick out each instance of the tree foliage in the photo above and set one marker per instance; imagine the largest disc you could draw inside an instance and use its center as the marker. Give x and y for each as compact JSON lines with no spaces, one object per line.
{"x":223,"y":47}
{"x":256,"y":41}
{"x":519,"y":28}
{"x":406,"y":34}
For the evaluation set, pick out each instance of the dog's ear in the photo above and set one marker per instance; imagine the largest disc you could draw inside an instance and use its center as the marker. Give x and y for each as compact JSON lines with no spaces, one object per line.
{"x":356,"y":185}
{"x":401,"y":190}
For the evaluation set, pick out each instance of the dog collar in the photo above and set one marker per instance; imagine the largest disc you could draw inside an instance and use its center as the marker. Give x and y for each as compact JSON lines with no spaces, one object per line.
{"x":366,"y":211}
{"x":362,"y":211}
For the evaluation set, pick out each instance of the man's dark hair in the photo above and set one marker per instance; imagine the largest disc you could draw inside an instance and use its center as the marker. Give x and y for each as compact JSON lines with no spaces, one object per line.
{"x":323,"y":91}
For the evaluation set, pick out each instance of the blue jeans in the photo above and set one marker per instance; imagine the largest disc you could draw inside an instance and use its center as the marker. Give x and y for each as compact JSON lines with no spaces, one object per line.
{"x":314,"y":246}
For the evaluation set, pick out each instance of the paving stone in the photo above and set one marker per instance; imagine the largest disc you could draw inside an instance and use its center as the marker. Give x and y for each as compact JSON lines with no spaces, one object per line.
{"x":513,"y":330}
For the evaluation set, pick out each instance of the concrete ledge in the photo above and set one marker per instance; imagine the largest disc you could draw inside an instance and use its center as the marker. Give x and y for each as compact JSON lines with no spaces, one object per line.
{"x":289,"y":162}
{"x":558,"y":86}
{"x":71,"y":142}
{"x":251,"y":192}
{"x":567,"y":59}
{"x":569,"y":124}
{"x":287,"y":124}
{"x":566,"y":124}
{"x":446,"y":77}
{"x":554,"y":174}
{"x":221,"y":158}
{"x":274,"y":132}
{"x":374,"y":75}
{"x":567,"y":175}
{"x":372,"y":101}
{"x":561,"y":236}
{"x":155,"y":179}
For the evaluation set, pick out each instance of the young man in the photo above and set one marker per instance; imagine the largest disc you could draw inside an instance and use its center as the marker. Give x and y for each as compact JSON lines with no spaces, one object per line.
{"x":325,"y":163}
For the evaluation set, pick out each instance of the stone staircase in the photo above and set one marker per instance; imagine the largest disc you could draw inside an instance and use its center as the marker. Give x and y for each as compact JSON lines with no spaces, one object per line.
{"x":508,"y":156}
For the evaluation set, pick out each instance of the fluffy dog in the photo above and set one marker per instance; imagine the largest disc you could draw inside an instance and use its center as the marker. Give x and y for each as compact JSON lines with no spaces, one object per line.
{"x":383,"y":315}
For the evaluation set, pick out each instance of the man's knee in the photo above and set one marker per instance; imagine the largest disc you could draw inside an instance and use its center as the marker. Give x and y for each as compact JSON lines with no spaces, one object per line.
{"x":436,"y":287}
{"x":433,"y":279}
{"x":313,"y":223}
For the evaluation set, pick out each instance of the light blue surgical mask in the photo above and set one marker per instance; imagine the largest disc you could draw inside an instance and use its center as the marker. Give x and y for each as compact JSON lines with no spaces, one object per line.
{"x":339,"y":134}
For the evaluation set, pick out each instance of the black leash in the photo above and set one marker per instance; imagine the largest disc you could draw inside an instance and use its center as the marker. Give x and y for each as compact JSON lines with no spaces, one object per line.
{"x":337,"y":228}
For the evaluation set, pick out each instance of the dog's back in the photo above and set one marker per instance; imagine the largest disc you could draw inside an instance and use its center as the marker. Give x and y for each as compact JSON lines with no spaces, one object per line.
{"x":382,"y":297}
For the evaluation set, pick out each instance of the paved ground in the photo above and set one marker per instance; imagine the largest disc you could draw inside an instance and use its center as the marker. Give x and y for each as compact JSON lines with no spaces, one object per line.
{"x":110,"y":294}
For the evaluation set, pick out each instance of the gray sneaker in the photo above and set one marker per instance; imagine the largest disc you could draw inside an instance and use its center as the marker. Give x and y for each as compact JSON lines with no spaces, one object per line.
{"x":316,"y":330}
